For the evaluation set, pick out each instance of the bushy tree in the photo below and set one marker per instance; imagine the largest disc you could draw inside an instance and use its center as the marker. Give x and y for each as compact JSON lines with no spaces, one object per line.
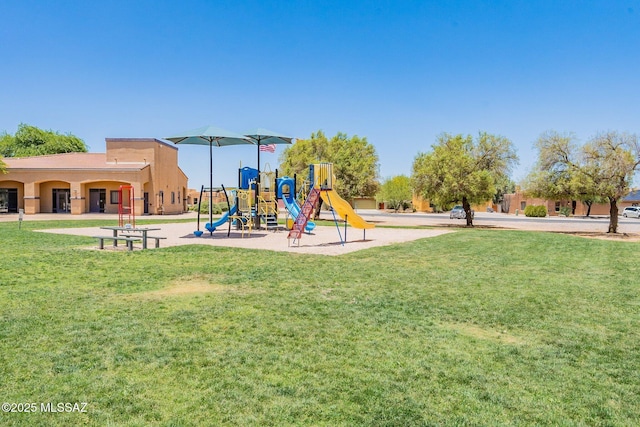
{"x":602,"y":169}
{"x":355,"y":165}
{"x":395,"y":192}
{"x":355,"y":162}
{"x":460,"y":169}
{"x":555,"y":176}
{"x":32,"y":141}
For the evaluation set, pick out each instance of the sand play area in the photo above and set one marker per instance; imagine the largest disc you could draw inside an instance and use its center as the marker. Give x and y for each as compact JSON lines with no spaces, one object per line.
{"x":323,"y":240}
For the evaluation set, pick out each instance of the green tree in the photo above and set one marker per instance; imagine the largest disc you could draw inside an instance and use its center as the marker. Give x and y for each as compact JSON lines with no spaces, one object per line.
{"x":460,"y":169}
{"x":602,"y":169}
{"x":555,"y":176}
{"x":355,"y":162}
{"x":396,"y":192}
{"x":31,"y":141}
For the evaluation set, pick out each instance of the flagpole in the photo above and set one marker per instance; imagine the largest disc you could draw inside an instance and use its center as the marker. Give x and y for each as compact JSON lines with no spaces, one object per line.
{"x":258,"y":186}
{"x":210,"y":184}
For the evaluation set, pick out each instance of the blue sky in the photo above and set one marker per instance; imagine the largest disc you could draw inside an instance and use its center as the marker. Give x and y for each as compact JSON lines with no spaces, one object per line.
{"x":396,"y":72}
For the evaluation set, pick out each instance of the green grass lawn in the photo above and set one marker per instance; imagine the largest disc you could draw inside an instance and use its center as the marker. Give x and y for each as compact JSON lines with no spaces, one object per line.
{"x":476,"y":327}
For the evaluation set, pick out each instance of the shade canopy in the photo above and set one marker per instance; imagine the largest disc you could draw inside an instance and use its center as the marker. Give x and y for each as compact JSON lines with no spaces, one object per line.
{"x":265,"y":136}
{"x":210,"y":135}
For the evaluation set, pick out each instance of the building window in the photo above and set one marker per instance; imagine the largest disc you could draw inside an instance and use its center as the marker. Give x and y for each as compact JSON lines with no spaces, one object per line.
{"x":161,"y":197}
{"x":557,"y":206}
{"x":195,"y":200}
{"x":115,"y":197}
{"x":173,"y":197}
{"x":523,"y":205}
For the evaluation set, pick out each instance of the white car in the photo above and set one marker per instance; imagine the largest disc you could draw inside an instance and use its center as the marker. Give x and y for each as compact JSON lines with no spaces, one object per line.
{"x":631,"y":212}
{"x":458,"y":213}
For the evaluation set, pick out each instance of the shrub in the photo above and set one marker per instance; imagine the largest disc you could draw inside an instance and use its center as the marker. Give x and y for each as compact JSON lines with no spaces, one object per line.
{"x":535,"y":211}
{"x":216,"y":209}
{"x":565,"y":210}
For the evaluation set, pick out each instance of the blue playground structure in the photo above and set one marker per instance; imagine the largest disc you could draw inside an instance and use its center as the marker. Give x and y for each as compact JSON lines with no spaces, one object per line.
{"x":252,"y":204}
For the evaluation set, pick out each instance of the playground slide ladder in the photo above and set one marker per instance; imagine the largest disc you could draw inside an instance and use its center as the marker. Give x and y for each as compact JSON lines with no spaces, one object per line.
{"x":271,"y":222}
{"x":305,"y":213}
{"x":268,"y":211}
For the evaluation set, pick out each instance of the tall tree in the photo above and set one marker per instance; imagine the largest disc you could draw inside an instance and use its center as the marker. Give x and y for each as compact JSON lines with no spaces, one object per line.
{"x":460,"y":169}
{"x":611,"y":159}
{"x":396,"y":192}
{"x":32,"y":141}
{"x":554,"y":175}
{"x":602,"y":169}
{"x":355,"y":162}
{"x":355,"y":165}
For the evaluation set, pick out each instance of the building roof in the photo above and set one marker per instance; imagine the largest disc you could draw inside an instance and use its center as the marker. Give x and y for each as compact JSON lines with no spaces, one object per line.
{"x":71,"y":161}
{"x":633,"y":196}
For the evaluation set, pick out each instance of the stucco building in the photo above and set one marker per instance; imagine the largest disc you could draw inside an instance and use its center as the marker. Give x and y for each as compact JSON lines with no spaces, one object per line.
{"x":518,"y":201}
{"x":79,"y":183}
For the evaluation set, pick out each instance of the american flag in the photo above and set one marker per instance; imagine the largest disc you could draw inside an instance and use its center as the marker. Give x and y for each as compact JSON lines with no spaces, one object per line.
{"x":271,"y":148}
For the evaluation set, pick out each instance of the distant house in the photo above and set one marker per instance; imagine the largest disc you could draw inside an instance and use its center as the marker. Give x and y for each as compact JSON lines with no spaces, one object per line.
{"x":424,"y":205}
{"x":78,"y":183}
{"x":519,"y":201}
{"x":631,"y":199}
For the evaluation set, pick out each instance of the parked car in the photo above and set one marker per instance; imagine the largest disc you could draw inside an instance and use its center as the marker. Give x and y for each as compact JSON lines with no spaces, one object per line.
{"x":458,"y":213}
{"x":631,"y":212}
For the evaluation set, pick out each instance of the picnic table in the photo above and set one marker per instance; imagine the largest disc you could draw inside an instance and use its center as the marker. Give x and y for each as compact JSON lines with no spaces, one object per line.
{"x":141,"y":232}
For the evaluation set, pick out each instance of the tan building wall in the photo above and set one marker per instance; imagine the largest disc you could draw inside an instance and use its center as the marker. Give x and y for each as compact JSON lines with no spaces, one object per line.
{"x":89,"y":182}
{"x":422,"y":205}
{"x":364,"y":203}
{"x":518,"y":201}
{"x":167,"y":187}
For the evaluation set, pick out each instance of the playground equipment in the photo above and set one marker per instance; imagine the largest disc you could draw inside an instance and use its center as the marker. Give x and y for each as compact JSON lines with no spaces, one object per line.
{"x":321,"y":186}
{"x":231,"y":210}
{"x":261,"y":205}
{"x":211,"y":226}
{"x":229,"y":216}
{"x":253,"y":203}
{"x":126,"y":206}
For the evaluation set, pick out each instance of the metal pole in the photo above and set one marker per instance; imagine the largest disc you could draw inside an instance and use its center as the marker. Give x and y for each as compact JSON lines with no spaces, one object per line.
{"x":210,"y":183}
{"x":200,"y":203}
{"x":257,"y":189}
{"x":346,"y":217}
{"x":257,"y":217}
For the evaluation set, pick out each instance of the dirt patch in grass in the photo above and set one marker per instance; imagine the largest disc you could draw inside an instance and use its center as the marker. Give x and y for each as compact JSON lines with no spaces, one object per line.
{"x":474,"y":331}
{"x":620,"y":237}
{"x":474,"y":226}
{"x":185,"y":287}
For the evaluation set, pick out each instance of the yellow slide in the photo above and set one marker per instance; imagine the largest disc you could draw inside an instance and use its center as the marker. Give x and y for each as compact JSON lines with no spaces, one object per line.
{"x":344,"y":209}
